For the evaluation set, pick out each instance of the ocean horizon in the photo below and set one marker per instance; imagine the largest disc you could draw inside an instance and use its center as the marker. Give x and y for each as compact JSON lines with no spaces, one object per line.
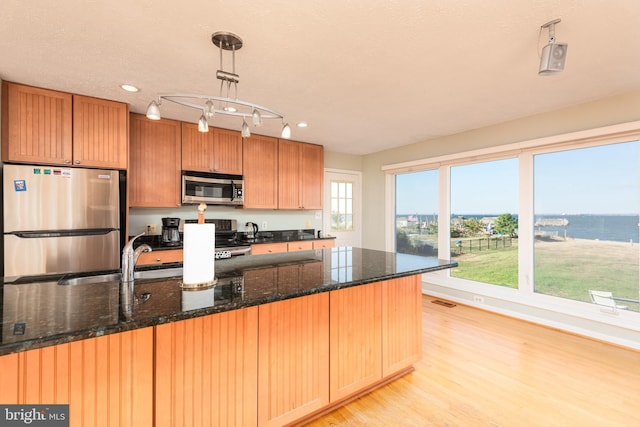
{"x":612,"y":227}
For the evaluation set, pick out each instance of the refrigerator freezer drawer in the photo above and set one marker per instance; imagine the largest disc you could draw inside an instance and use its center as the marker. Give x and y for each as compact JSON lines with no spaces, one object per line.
{"x":56,"y":255}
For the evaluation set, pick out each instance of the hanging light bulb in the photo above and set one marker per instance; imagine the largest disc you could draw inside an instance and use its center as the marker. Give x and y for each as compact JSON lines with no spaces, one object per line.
{"x":286,"y":131}
{"x":209,"y":109}
{"x":246,"y":133}
{"x":256,"y":117}
{"x":153,"y":111}
{"x":203,"y":126}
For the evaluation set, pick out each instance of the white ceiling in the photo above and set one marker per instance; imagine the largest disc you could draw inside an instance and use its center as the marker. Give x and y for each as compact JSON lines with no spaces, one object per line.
{"x":367,"y":75}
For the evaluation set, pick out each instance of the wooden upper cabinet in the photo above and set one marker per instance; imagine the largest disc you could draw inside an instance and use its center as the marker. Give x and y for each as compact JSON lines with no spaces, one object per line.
{"x":36,"y":125}
{"x":300,"y":175}
{"x":100,"y":133}
{"x":57,"y":128}
{"x":260,"y":158}
{"x":228,"y":151}
{"x":218,"y":151}
{"x":312,"y":172}
{"x":154,"y":170}
{"x":289,"y":182}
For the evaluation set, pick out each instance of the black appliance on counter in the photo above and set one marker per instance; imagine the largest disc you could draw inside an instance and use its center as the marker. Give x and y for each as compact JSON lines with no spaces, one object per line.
{"x":171,"y":232}
{"x":227,"y":242}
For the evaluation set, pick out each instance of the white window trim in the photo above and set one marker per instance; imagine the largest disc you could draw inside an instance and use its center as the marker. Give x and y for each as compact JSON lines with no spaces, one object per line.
{"x":524,"y":296}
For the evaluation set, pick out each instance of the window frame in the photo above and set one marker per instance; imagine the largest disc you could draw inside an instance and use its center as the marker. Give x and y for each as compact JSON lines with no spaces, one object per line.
{"x":524,"y":295}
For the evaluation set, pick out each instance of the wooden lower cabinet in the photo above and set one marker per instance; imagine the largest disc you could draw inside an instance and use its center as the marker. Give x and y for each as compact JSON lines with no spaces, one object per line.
{"x":160,"y":257}
{"x":324,"y":244}
{"x":300,"y":245}
{"x":355,"y":339}
{"x":401,"y":323}
{"x":269,"y":365}
{"x":206,"y":370}
{"x":268,"y":248}
{"x":293,"y":365}
{"x":107,"y":381}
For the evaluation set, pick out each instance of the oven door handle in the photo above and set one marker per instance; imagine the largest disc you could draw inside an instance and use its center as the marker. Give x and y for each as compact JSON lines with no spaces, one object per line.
{"x":241,"y":251}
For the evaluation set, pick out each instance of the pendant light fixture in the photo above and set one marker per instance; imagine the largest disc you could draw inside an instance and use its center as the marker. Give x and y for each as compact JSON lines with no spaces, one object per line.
{"x":223,"y":103}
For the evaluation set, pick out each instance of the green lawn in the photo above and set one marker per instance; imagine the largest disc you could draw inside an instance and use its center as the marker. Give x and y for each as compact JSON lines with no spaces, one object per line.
{"x":563,"y":269}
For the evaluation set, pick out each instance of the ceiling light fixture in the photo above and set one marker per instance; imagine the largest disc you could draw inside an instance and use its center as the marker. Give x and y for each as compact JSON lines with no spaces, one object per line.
{"x":211,"y":105}
{"x":129,"y":88}
{"x":553,"y":54}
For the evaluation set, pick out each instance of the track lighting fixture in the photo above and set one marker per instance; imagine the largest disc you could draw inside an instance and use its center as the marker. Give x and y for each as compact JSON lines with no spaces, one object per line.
{"x":224,"y":103}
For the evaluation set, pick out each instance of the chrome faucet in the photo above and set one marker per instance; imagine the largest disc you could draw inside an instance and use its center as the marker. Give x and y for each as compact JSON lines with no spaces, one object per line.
{"x":129,"y":258}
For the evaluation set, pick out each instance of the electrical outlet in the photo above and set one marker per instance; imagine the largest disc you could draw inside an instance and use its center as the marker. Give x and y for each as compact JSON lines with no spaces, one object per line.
{"x":264,"y":225}
{"x":478,"y":299}
{"x":150,"y":228}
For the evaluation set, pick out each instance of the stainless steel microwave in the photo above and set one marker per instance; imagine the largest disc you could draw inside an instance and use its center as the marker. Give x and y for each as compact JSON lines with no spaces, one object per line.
{"x":212,"y":189}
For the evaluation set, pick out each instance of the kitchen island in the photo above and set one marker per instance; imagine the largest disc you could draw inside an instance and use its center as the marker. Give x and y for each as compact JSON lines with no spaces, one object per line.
{"x":279,"y":338}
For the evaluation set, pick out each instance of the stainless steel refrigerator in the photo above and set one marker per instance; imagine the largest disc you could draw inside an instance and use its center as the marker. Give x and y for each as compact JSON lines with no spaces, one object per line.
{"x":60,"y":220}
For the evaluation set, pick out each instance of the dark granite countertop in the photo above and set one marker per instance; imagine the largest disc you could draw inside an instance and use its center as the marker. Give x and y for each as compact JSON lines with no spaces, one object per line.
{"x":43,"y":311}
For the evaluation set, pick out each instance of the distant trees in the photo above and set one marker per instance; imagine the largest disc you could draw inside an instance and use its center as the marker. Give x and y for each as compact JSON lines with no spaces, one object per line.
{"x":506,"y":224}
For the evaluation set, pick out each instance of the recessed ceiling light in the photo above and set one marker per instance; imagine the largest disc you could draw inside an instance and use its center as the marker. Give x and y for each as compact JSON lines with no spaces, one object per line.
{"x":302,"y":124}
{"x":130,"y":88}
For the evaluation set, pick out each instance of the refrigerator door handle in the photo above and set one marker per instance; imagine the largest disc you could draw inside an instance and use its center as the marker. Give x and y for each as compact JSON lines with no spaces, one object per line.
{"x":61,"y":233}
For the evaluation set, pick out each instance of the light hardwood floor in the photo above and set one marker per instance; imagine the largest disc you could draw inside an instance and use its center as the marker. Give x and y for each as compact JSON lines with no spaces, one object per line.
{"x":483,"y":369}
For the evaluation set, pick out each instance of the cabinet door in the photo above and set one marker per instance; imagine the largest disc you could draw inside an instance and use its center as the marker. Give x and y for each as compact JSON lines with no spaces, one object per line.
{"x":323,"y":244}
{"x":401,"y":323}
{"x":268,"y":248}
{"x":260,"y":158}
{"x":160,"y":257}
{"x":293,"y":345}
{"x":197,"y":149}
{"x":300,"y":175}
{"x":289,"y":179}
{"x":302,"y":245}
{"x":100,"y":133}
{"x":154,"y":172}
{"x":312,"y":176}
{"x":36,"y":125}
{"x":228,"y":151}
{"x":207,"y":370}
{"x":107,"y":381}
{"x":356,"y":339}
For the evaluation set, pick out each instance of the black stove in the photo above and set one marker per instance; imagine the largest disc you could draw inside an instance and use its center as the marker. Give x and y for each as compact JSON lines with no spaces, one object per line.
{"x":227,"y":242}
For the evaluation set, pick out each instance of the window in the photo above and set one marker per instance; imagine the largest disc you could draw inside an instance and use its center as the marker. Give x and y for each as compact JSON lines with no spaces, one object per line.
{"x":586,"y":223}
{"x":341,"y":206}
{"x":416,"y":221}
{"x":484,"y":203}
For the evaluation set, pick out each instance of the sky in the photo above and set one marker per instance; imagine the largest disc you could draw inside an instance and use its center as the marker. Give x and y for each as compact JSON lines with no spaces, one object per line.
{"x":597,"y":180}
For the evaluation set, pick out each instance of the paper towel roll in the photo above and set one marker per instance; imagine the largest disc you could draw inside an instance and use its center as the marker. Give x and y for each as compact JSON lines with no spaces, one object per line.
{"x":198,"y":255}
{"x":195,"y":299}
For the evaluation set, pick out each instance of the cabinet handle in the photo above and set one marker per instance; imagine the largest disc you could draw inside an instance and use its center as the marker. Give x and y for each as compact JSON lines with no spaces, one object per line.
{"x":77,"y":162}
{"x":158,"y":259}
{"x":67,"y":161}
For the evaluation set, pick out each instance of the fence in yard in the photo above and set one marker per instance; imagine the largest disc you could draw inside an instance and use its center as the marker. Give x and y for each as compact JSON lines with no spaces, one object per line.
{"x":481,"y":244}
